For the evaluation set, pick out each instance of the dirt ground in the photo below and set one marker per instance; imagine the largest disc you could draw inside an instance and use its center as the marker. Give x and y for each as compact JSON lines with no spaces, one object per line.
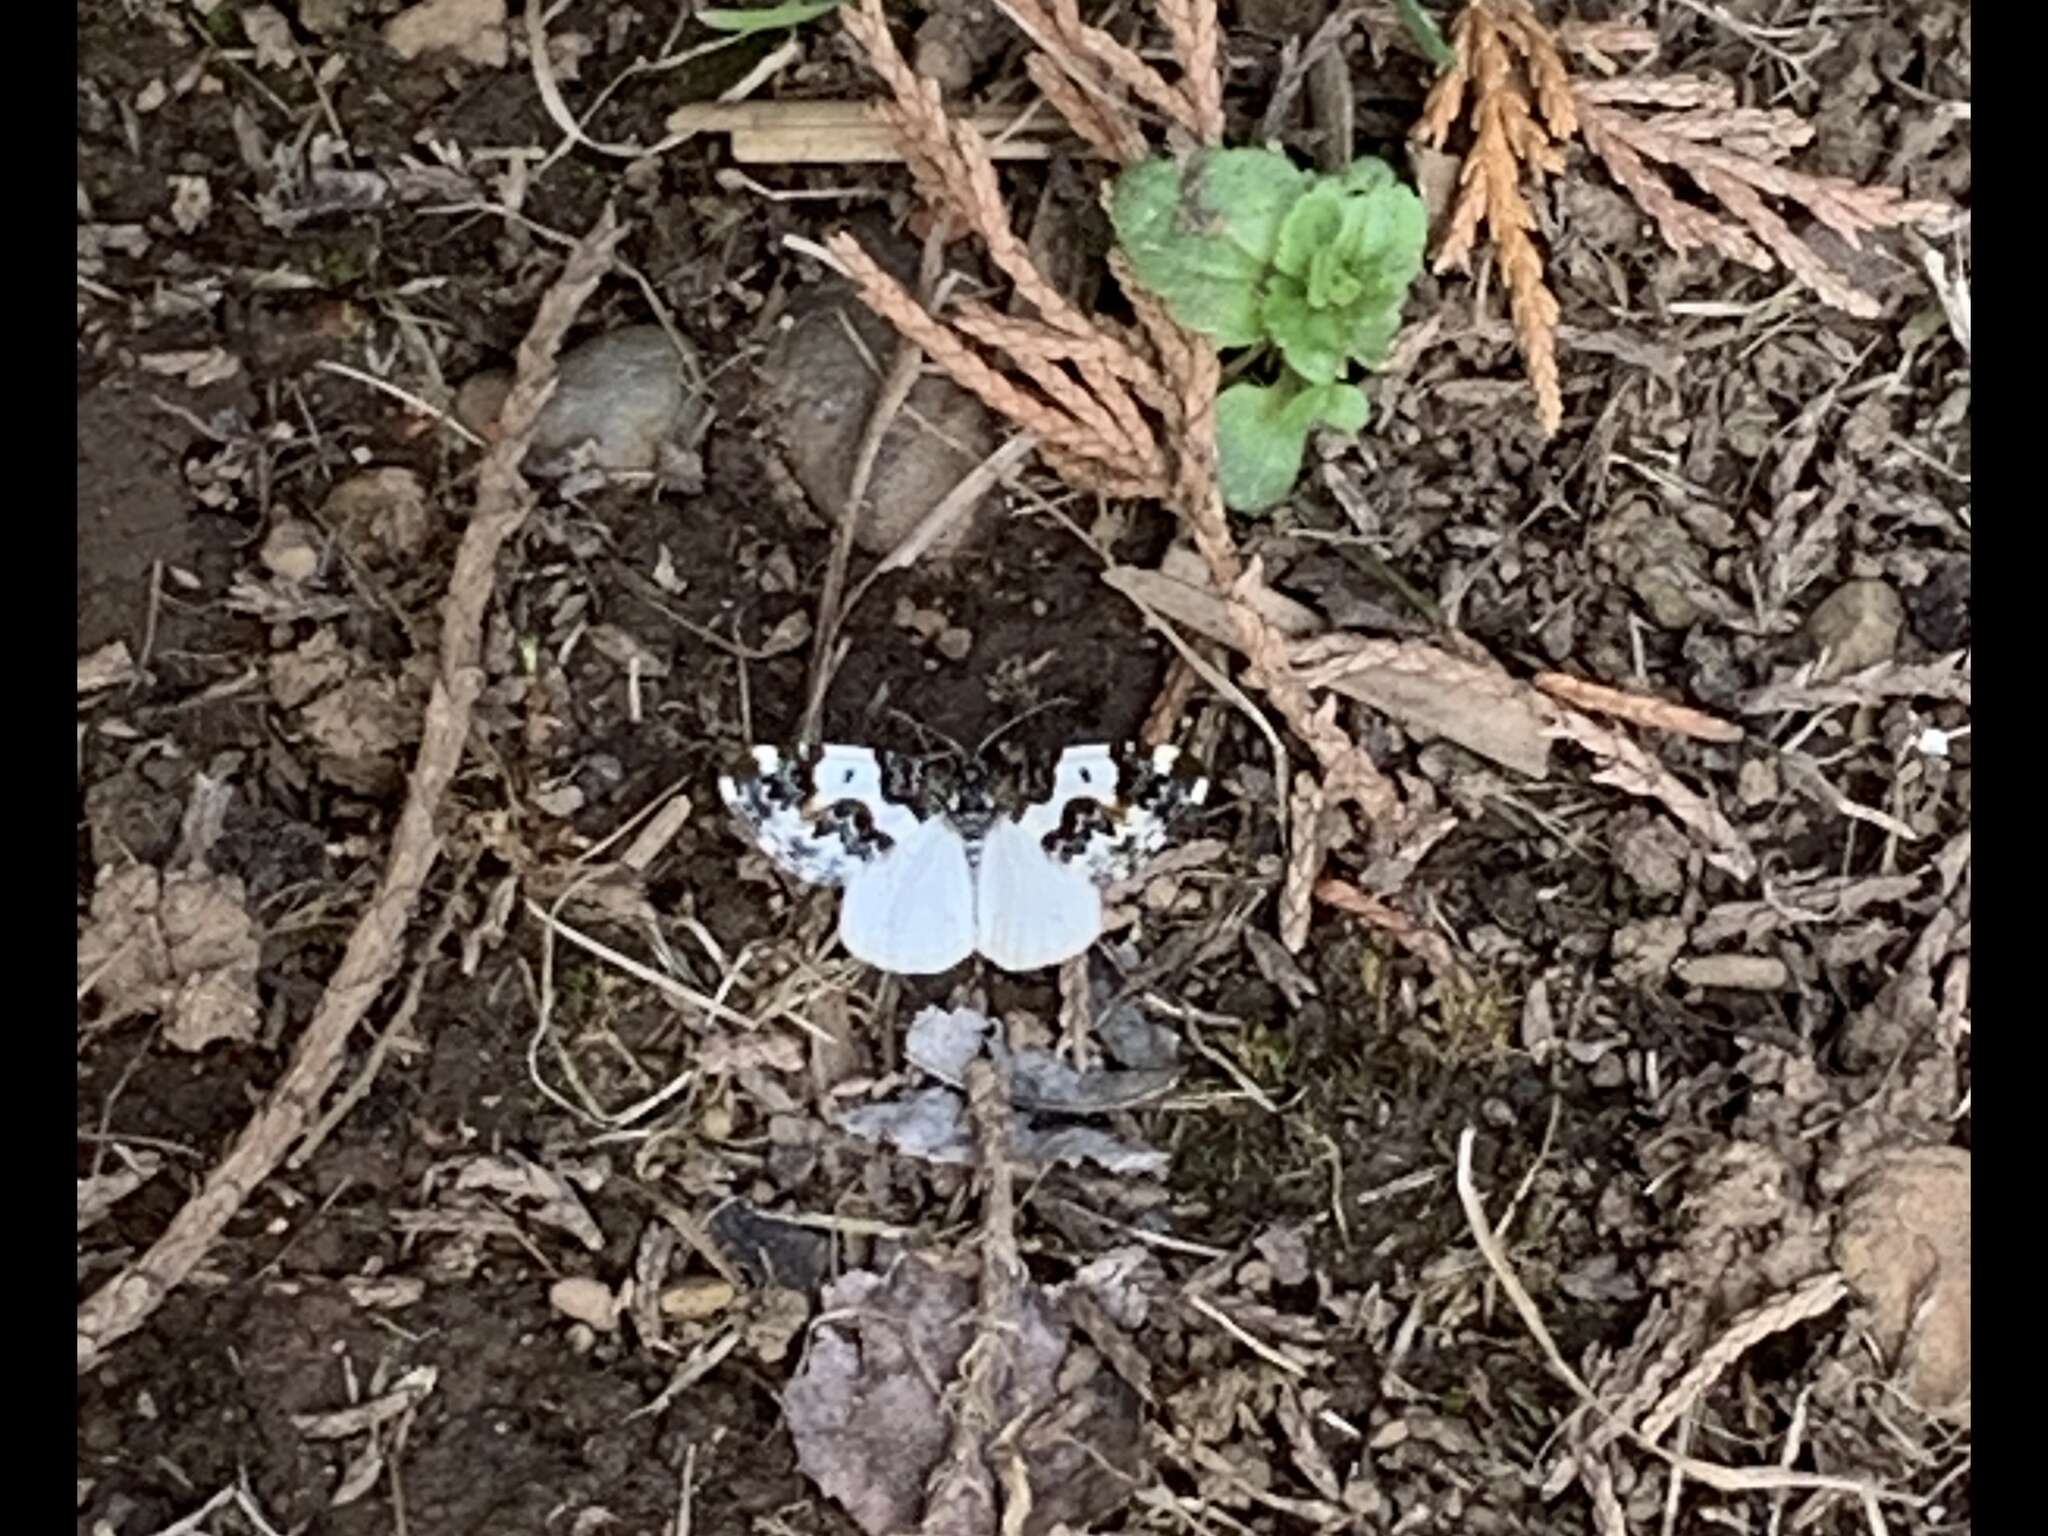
{"x":1705,"y":1107}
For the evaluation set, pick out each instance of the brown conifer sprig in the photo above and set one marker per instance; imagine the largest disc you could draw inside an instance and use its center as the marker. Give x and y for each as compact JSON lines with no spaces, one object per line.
{"x":1733,"y":155}
{"x":1123,"y":411}
{"x":1490,"y":37}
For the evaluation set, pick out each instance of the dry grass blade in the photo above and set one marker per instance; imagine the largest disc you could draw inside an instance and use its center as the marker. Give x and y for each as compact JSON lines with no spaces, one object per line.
{"x":123,"y":1303}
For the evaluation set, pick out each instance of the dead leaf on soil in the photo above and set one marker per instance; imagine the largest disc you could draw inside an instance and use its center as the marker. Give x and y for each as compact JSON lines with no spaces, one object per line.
{"x":197,"y":368}
{"x":943,"y":1043}
{"x":182,"y":945}
{"x":871,"y":1426}
{"x":108,"y":667}
{"x":553,"y":1199}
{"x":360,"y":729}
{"x":384,"y":509}
{"x":411,"y":1389}
{"x":1627,"y":767}
{"x":317,"y":665}
{"x":270,"y":35}
{"x":932,"y":1124}
{"x":472,"y":30}
{"x":1423,"y":687}
{"x":1905,"y":1249}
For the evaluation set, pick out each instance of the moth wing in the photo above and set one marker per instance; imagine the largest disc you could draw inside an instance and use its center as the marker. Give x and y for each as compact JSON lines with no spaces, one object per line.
{"x":911,"y":909}
{"x":784,"y":805}
{"x":1143,"y":800}
{"x":1031,"y":910}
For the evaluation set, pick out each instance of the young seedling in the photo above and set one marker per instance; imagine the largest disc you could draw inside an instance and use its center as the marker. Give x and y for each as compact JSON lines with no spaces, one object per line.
{"x":1249,"y":249}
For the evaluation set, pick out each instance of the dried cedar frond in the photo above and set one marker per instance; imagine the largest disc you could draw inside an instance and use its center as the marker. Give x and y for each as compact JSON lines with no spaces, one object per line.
{"x":1524,"y":106}
{"x":1505,"y":56}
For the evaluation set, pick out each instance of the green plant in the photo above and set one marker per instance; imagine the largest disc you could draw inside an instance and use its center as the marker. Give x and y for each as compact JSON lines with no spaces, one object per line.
{"x":1252,"y":251}
{"x":766,"y":18}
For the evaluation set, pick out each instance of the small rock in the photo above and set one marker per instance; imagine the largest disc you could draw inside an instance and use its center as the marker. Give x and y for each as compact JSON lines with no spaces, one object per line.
{"x":821,"y":393}
{"x":954,"y":642}
{"x":471,"y":30}
{"x":1286,"y":1250}
{"x":1643,"y":951}
{"x":624,"y":392}
{"x":359,"y":728}
{"x":191,"y":202}
{"x":777,"y":1315}
{"x":701,"y":1297}
{"x":291,"y":551}
{"x":1856,"y":626}
{"x":562,"y":801}
{"x":587,"y":1301}
{"x":945,"y":52}
{"x":925,"y":623}
{"x":479,"y":399}
{"x":1663,"y":566}
{"x":1904,"y":1247}
{"x":1756,"y":782}
{"x":1653,"y":854}
{"x":326,"y":18}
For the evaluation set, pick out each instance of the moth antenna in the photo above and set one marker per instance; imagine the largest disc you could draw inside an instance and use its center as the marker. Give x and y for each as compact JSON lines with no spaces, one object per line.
{"x":1018,"y":719}
{"x":924,"y":730}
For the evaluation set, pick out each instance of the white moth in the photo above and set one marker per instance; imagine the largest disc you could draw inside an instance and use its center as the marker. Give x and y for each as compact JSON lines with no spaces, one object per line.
{"x":936,"y":873}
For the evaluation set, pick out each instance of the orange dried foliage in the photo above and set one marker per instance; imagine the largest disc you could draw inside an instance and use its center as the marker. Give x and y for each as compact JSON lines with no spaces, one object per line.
{"x":1525,"y":105}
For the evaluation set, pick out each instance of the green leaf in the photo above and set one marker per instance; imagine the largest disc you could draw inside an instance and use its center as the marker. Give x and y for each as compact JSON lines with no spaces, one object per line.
{"x":1425,"y":34}
{"x":1314,"y":342}
{"x":766,"y":18}
{"x":1262,"y":431}
{"x":1314,"y":223}
{"x":1346,"y":253}
{"x":1200,"y":234}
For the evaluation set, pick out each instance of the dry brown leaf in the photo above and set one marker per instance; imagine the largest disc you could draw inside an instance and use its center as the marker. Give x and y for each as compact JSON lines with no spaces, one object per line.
{"x":552,"y":1198}
{"x":1425,"y":688}
{"x":472,"y":30}
{"x":182,"y":945}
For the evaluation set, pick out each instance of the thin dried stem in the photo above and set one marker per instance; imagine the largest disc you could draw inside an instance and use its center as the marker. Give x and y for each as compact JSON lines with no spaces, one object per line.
{"x":124,"y":1302}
